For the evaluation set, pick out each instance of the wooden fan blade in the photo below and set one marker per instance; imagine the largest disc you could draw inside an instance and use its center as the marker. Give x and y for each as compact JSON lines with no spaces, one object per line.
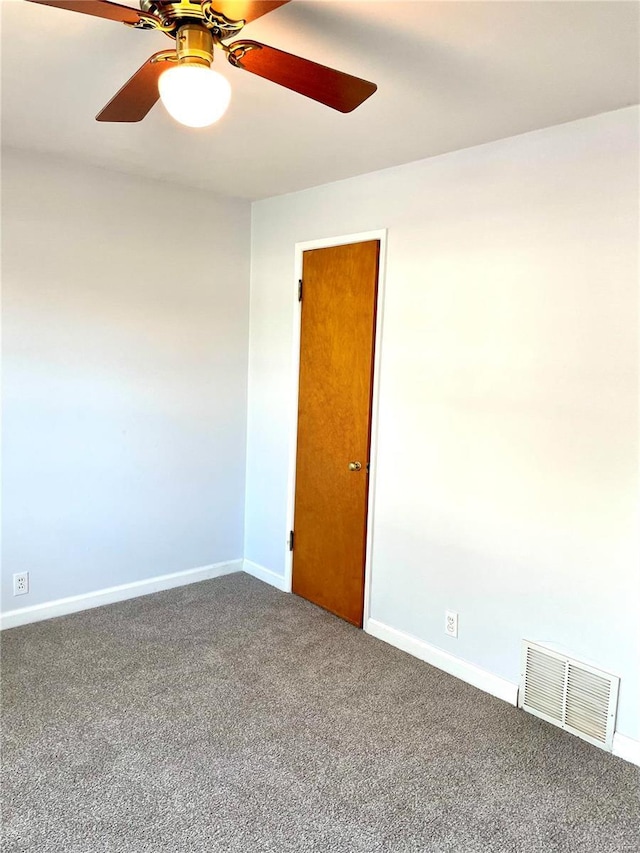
{"x":247,"y":10}
{"x":337,"y":90}
{"x":138,"y":94}
{"x":100,"y":9}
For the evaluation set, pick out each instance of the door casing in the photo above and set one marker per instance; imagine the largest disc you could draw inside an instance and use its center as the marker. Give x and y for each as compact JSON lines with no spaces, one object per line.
{"x":300,"y":248}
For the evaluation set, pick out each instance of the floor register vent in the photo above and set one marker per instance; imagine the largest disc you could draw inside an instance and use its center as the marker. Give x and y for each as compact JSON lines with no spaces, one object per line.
{"x":573,"y":695}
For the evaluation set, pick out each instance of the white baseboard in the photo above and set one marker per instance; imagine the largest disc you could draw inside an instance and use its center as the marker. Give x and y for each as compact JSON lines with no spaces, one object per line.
{"x":469,"y":672}
{"x":266,"y":575}
{"x":63,"y":606}
{"x":623,"y":746}
{"x":627,"y":748}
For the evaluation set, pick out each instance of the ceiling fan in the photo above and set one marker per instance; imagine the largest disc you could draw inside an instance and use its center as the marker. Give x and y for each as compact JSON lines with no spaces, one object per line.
{"x":190,"y":89}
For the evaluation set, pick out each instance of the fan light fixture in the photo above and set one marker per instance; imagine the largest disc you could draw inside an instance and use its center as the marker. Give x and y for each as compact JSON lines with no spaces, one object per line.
{"x":194,"y":95}
{"x":182,"y":77}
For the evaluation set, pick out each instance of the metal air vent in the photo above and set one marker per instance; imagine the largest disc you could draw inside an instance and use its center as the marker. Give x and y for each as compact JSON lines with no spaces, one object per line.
{"x":568,"y":693}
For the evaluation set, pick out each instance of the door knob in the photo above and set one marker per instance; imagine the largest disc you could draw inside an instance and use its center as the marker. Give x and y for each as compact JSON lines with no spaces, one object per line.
{"x":355,"y":466}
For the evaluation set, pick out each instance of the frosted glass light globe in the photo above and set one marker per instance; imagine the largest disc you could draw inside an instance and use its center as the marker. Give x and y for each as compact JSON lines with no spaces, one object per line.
{"x":194,"y":94}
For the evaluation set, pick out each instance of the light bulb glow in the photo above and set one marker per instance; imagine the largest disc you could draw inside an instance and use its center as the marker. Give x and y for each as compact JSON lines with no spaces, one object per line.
{"x":194,"y":94}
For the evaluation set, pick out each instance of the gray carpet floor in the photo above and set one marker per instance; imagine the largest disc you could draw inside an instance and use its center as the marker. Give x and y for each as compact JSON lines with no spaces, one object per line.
{"x":227,"y":716}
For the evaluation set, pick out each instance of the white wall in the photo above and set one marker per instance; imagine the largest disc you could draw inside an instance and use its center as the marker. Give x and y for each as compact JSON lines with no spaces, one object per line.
{"x":125,"y":329}
{"x":507,"y":471}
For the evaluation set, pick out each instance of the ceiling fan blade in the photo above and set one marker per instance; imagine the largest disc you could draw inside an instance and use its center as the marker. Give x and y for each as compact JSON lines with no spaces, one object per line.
{"x":247,"y":10}
{"x":138,"y":94}
{"x":340,"y":91}
{"x":101,"y":9}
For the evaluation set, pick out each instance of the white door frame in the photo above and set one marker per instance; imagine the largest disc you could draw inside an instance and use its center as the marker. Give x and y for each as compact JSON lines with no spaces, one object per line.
{"x":300,"y":248}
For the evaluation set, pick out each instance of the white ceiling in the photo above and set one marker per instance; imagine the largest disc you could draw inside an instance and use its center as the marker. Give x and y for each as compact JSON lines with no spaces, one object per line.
{"x":449,"y":74}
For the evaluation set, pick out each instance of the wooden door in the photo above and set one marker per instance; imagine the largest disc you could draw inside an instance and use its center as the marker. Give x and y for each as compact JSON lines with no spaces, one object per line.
{"x":334,"y":426}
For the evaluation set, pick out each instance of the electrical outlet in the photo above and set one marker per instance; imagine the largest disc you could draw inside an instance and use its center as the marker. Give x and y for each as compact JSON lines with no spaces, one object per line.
{"x":451,"y":623}
{"x":21,"y":583}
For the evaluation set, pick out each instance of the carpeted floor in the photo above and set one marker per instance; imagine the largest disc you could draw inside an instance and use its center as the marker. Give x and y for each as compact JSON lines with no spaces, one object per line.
{"x":227,"y":716}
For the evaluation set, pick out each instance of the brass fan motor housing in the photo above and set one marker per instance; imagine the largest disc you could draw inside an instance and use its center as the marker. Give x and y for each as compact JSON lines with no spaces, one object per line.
{"x":175,"y":14}
{"x":194,"y":45}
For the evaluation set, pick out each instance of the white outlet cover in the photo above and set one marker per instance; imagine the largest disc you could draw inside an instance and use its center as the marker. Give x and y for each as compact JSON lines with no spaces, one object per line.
{"x":451,"y":623}
{"x":21,"y":583}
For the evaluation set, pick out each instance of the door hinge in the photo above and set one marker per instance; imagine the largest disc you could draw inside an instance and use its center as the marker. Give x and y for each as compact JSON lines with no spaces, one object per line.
{"x":291,"y":540}
{"x":300,"y":290}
